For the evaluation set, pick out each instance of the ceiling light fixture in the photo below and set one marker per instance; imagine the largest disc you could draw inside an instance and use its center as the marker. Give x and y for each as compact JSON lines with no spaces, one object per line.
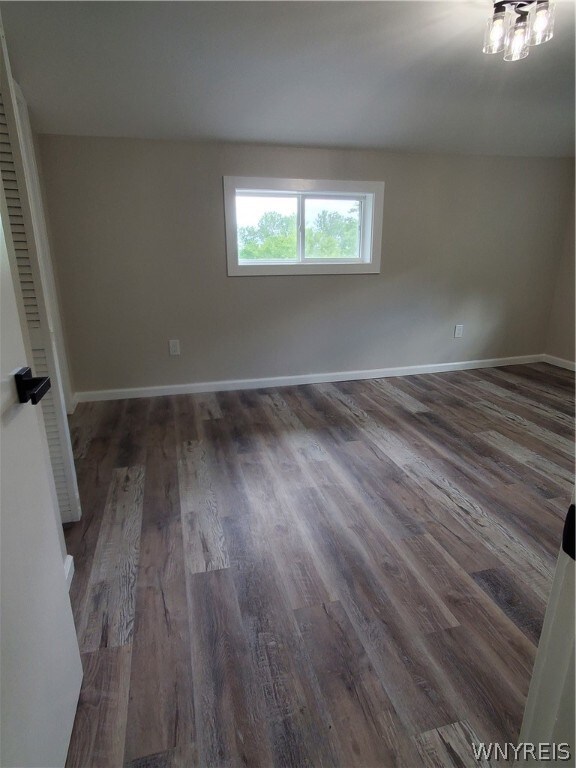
{"x":516,"y":25}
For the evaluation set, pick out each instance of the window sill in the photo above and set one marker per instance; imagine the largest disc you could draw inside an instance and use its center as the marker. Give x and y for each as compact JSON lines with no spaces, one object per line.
{"x":254,"y":270}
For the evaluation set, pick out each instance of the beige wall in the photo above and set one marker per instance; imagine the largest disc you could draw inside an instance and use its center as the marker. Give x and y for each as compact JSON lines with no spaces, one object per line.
{"x":139,"y":246}
{"x":560,"y":342}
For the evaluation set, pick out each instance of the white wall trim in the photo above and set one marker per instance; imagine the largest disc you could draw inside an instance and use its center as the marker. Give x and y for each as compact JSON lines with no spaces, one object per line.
{"x":308,"y":378}
{"x":559,"y":362}
{"x":68,"y":570}
{"x":72,"y":403}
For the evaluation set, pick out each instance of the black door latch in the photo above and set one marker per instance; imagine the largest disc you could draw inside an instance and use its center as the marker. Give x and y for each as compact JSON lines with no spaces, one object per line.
{"x":568,"y":536}
{"x":30,"y":387}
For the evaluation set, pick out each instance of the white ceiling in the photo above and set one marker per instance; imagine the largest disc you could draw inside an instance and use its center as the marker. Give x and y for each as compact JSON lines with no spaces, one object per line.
{"x":399,"y":75}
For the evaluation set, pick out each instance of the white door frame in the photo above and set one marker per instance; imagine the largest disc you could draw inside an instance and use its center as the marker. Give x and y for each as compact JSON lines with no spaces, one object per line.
{"x":36,"y":294}
{"x":40,"y":665}
{"x":42,"y":242}
{"x":549,"y":715}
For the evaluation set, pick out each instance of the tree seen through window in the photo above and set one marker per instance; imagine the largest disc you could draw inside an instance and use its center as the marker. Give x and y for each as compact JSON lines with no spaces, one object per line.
{"x":331,"y":231}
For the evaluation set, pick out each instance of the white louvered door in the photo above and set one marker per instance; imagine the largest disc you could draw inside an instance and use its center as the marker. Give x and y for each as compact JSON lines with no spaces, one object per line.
{"x":22,"y":189}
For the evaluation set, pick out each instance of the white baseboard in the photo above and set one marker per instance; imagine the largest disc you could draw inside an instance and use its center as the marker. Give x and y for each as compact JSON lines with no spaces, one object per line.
{"x":308,"y":378}
{"x":69,"y":569}
{"x":72,"y":403}
{"x":559,"y":362}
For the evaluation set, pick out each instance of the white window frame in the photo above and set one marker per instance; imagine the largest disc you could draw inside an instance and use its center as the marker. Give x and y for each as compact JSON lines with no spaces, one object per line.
{"x":370,"y":193}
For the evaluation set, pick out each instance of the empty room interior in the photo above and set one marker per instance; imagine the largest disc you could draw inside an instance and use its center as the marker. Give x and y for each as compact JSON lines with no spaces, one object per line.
{"x":288,"y":354}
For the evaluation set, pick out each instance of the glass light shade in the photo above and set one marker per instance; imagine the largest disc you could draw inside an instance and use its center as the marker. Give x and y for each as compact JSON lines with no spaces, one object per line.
{"x":542,"y":22}
{"x":517,"y":40}
{"x":495,"y":36}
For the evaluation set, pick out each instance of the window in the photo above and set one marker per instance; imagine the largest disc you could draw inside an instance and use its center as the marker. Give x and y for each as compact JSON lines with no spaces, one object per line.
{"x":302,"y":226}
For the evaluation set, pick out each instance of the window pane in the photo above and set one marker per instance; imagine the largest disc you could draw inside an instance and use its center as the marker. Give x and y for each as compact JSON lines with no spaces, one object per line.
{"x":266,"y":228}
{"x":332,"y":228}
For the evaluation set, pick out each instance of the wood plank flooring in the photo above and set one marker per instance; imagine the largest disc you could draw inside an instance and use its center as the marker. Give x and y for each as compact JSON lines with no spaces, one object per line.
{"x":344,"y":575}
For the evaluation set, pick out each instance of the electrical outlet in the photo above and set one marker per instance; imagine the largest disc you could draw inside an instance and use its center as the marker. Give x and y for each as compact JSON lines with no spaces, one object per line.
{"x":458,"y":331}
{"x":174,"y":346}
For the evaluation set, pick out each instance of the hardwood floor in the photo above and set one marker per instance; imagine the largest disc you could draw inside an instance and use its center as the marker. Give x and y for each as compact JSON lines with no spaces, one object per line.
{"x":343,"y":575}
